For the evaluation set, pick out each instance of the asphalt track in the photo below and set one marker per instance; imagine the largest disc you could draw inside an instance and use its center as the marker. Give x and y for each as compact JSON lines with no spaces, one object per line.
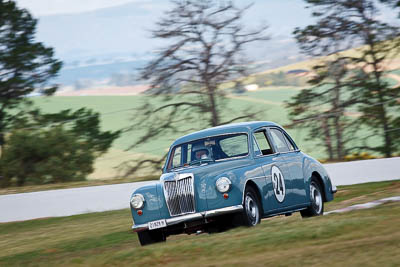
{"x":65,"y":202}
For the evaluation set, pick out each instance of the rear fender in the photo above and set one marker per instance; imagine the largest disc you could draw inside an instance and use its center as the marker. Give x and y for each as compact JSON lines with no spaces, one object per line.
{"x":312,"y":166}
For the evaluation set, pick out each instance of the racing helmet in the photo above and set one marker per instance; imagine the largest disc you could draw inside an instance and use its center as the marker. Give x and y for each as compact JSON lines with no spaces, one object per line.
{"x":200,"y":151}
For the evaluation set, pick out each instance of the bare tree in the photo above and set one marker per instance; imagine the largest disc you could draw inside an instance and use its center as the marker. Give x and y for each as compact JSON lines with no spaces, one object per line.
{"x":205,"y":47}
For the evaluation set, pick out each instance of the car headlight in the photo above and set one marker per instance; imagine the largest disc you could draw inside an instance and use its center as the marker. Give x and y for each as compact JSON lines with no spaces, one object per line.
{"x":223,"y":184}
{"x":137,"y":201}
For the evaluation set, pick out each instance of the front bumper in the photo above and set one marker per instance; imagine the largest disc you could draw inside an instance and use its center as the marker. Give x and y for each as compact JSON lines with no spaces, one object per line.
{"x":192,"y":217}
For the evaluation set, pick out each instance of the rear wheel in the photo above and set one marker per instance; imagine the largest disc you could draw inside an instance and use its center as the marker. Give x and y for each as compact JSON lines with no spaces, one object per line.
{"x":251,"y":208}
{"x":317,"y":203}
{"x":150,"y":237}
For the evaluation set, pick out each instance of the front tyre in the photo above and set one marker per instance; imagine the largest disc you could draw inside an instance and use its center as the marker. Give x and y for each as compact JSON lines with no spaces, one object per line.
{"x":317,"y":203}
{"x":150,"y":237}
{"x":251,"y":208}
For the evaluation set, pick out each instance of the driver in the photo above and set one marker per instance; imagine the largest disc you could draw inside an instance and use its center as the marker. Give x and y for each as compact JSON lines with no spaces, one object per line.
{"x":200,"y":152}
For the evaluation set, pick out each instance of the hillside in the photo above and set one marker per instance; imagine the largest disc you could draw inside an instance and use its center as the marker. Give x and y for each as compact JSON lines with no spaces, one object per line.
{"x":392,"y":64}
{"x":269,"y":90}
{"x":117,"y":113}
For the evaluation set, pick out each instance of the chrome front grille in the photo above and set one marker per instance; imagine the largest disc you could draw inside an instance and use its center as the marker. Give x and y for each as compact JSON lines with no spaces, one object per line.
{"x":179,"y":195}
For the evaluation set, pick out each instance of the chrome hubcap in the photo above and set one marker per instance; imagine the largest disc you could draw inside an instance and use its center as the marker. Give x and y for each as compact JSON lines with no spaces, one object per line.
{"x":252,"y":210}
{"x":316,"y":198}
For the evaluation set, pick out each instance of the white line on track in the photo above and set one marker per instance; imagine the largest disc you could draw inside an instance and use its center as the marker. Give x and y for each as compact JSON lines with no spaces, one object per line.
{"x":367,"y":205}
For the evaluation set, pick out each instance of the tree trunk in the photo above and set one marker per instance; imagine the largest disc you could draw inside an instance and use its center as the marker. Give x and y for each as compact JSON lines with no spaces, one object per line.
{"x":382,"y":110}
{"x":339,"y":142}
{"x":2,"y":128}
{"x":338,"y":114}
{"x":213,"y":107}
{"x":383,"y":117}
{"x":328,"y":139}
{"x":386,"y":134}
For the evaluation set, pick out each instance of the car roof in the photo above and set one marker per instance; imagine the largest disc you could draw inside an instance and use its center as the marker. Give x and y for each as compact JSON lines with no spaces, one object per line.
{"x":224,"y":129}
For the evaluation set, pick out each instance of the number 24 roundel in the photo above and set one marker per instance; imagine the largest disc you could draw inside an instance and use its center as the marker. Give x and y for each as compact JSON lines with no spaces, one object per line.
{"x":278,"y":183}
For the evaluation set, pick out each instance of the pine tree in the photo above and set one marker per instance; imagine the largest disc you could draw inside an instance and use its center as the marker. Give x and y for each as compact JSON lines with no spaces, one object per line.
{"x":25,"y":64}
{"x":344,"y":24}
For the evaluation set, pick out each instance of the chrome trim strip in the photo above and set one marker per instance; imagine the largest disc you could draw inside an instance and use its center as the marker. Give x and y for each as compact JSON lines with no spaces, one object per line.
{"x":184,"y":218}
{"x":286,"y":152}
{"x":222,"y":211}
{"x":269,"y":155}
{"x":140,"y":227}
{"x":192,"y":217}
{"x":334,"y":189}
{"x":282,"y":212}
{"x":257,"y":177}
{"x":232,"y":158}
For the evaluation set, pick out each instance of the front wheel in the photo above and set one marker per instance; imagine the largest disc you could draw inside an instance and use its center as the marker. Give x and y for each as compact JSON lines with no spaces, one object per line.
{"x":150,"y":237}
{"x":251,"y":208}
{"x":317,"y":203}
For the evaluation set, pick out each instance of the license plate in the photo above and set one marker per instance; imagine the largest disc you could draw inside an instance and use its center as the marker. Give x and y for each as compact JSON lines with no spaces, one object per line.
{"x":157,"y":224}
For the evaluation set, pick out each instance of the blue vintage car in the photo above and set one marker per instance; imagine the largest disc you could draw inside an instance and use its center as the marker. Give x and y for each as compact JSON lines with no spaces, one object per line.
{"x":229,"y":175}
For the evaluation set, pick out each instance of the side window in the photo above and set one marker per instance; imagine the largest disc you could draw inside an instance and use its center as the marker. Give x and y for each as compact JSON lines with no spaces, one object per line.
{"x":189,"y":153}
{"x":256,"y":149}
{"x":289,"y":143}
{"x":279,"y":140}
{"x":263,"y":143}
{"x":176,"y":160}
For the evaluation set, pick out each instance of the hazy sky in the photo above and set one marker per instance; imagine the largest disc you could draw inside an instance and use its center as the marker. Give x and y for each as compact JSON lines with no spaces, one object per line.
{"x":52,"y":7}
{"x":77,"y":28}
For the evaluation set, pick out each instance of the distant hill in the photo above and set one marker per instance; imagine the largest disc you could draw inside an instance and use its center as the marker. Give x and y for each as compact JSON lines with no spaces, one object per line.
{"x":97,"y":73}
{"x":391,"y":64}
{"x":103,"y":44}
{"x":93,"y":77}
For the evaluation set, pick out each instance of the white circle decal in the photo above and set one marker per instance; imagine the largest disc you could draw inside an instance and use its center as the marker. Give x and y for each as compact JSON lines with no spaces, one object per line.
{"x":278,"y":183}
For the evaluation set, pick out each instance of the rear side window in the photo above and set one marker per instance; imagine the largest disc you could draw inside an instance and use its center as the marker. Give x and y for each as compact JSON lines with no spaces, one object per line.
{"x":279,"y":140}
{"x":263,"y":144}
{"x":256,"y":149}
{"x":289,"y":143}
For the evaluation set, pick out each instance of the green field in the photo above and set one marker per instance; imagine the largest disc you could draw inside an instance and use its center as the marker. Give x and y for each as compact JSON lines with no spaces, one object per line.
{"x":365,"y":237}
{"x":116,"y":114}
{"x":272,"y":110}
{"x":267,"y":101}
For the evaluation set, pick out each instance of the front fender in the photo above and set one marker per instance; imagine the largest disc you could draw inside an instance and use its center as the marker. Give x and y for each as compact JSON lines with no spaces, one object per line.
{"x":240,"y":178}
{"x":154,"y":207}
{"x":215,"y":199}
{"x":311,"y":166}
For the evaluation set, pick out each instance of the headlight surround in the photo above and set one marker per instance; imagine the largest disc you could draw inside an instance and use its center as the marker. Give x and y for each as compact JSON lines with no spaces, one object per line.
{"x":137,"y":201}
{"x":223,"y":184}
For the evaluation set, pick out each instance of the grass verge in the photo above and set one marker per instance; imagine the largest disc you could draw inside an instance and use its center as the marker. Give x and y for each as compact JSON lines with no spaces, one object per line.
{"x":364,"y":237}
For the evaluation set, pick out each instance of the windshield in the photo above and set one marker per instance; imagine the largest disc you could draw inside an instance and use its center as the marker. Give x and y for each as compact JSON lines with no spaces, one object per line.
{"x":210,"y":149}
